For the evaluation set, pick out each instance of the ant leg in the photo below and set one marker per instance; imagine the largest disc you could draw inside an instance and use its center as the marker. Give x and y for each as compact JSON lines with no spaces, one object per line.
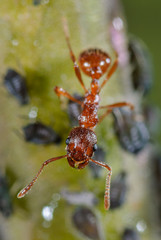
{"x":115,"y":105}
{"x":60,"y":91}
{"x":104,"y":115}
{"x":111,"y":71}
{"x":76,"y":67}
{"x":118,"y":105}
{"x":107,"y":186}
{"x":25,"y":190}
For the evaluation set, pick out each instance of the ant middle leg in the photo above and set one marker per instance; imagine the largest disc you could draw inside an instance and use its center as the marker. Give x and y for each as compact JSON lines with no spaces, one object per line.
{"x":60,"y":91}
{"x":110,"y":72}
{"x":73,"y":58}
{"x":112,"y":106}
{"x":118,"y":105}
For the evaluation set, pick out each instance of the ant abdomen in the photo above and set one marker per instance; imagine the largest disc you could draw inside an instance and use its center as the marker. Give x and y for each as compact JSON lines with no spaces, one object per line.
{"x":94,"y":62}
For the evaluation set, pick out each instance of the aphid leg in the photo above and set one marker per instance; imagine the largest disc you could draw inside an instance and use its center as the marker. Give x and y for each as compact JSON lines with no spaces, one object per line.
{"x":60,"y":91}
{"x":25,"y":190}
{"x":108,"y":180}
{"x":110,"y":72}
{"x":73,"y":58}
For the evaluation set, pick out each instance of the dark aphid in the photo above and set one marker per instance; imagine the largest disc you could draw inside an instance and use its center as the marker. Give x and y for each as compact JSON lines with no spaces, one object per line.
{"x":36,"y":2}
{"x":39,"y":133}
{"x":141,"y":63}
{"x":16,"y":85}
{"x":132,"y":133}
{"x":74,"y":109}
{"x":85,"y":222}
{"x":130,"y":234}
{"x":5,"y":198}
{"x":79,"y":198}
{"x":99,"y":155}
{"x":118,"y":191}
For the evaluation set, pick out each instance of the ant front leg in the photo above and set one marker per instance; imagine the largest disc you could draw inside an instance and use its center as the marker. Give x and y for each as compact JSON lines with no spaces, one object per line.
{"x":108,"y":180}
{"x":112,"y":106}
{"x":111,"y":71}
{"x":73,"y":58}
{"x":60,"y":91}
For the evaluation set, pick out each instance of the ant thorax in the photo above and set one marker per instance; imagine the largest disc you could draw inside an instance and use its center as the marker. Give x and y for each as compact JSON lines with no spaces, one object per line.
{"x":89,"y":116}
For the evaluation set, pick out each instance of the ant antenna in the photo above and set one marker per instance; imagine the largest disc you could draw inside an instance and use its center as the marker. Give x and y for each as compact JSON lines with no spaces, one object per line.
{"x":25,"y":190}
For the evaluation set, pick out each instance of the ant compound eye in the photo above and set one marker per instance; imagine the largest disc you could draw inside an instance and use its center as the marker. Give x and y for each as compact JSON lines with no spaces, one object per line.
{"x":95,"y":147}
{"x":67,"y":141}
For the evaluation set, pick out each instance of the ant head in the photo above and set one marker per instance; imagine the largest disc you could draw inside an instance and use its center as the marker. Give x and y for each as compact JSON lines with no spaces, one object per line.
{"x":94,"y":62}
{"x":81,"y":144}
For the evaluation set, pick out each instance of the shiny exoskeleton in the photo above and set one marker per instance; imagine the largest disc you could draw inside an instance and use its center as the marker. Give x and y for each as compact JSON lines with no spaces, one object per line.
{"x":82,"y":140}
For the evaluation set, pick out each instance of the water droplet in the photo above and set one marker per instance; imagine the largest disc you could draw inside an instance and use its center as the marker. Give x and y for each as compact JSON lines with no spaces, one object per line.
{"x":47,"y":213}
{"x":141,"y":226}
{"x":118,"y":23}
{"x":15,"y":42}
{"x":45,"y":1}
{"x":33,"y":112}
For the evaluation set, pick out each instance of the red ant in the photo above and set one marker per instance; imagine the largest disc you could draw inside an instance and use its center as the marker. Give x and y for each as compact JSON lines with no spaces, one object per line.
{"x":82,"y":140}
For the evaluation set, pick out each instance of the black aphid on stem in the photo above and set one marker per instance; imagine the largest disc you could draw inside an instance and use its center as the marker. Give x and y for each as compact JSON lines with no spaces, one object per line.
{"x":16,"y":85}
{"x":130,"y":234}
{"x":131,"y":130}
{"x":5,"y":198}
{"x":39,"y":133}
{"x":141,"y":64}
{"x":85,"y":222}
{"x":74,"y":109}
{"x":118,"y":190}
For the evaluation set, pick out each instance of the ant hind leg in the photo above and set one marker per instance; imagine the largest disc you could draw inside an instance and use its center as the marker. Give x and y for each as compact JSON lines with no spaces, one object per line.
{"x":112,"y":106}
{"x":111,"y":71}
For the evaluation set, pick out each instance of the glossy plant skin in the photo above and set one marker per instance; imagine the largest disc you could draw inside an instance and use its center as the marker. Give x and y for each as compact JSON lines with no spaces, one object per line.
{"x":82,"y":141}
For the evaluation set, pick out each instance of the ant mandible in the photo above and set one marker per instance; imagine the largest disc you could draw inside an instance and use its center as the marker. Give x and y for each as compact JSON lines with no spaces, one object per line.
{"x":82,"y":140}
